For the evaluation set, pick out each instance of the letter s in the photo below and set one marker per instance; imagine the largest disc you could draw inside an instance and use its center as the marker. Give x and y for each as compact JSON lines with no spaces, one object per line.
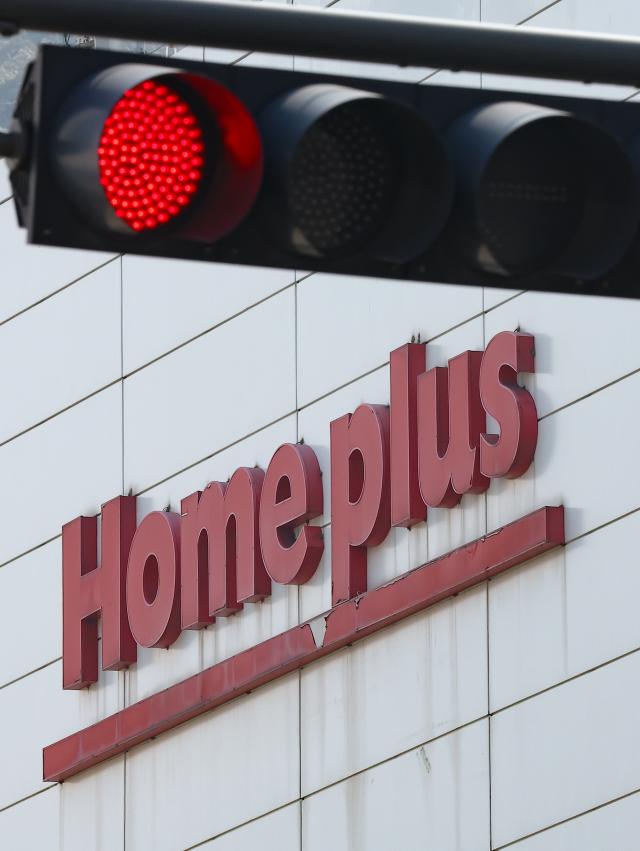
{"x":509,"y":453}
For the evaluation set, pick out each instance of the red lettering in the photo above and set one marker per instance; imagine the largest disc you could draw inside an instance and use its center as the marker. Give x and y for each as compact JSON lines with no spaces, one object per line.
{"x":233,"y":539}
{"x":407,"y":363}
{"x":291,"y":495}
{"x":222,"y":562}
{"x":360,"y":495}
{"x":195,"y":537}
{"x":153,"y":580}
{"x":450,"y":421}
{"x":91,"y":592}
{"x":510,"y":453}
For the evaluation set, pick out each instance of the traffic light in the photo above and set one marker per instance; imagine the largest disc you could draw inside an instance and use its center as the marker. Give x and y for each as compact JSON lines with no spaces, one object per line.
{"x":271,"y":168}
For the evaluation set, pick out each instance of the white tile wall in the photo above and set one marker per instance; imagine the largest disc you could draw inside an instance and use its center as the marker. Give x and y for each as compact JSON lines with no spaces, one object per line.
{"x":368,"y":318}
{"x":37,"y":271}
{"x":394,"y":690}
{"x":216,"y":772}
{"x":614,"y":826}
{"x":463,"y":9}
{"x":279,"y":831}
{"x":83,"y":813}
{"x":61,"y":350}
{"x":199,"y":399}
{"x":494,"y":296}
{"x":563,"y":88}
{"x":35,"y":712}
{"x":222,"y":55}
{"x":166,"y":302}
{"x":255,"y":450}
{"x":570,"y":331}
{"x":34,"y":823}
{"x":267,"y":60}
{"x":511,"y":11}
{"x":587,"y":460}
{"x":92,"y":809}
{"x":30,"y":594}
{"x":617,"y":17}
{"x":564,"y":613}
{"x":67,"y":466}
{"x":565,"y":751}
{"x":369,"y":70}
{"x":466,"y":79}
{"x":429,"y":799}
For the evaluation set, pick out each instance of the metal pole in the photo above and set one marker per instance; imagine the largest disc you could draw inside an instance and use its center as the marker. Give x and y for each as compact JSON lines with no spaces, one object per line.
{"x":333,"y":34}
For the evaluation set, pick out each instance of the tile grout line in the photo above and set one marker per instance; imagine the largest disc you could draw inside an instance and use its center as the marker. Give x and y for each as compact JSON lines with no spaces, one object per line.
{"x":44,"y":543}
{"x":571,"y":818}
{"x":122,"y":370}
{"x":209,"y":330}
{"x":306,"y":405}
{"x":538,"y":12}
{"x":455,"y":729}
{"x":124,"y":376}
{"x":125,"y":674}
{"x":236,"y":827}
{"x":591,"y":393}
{"x":353,"y":381}
{"x":487,"y":611}
{"x":57,"y":291}
{"x":31,"y":550}
{"x":298,"y":589}
{"x":47,"y":788}
{"x":490,"y":713}
{"x":208,"y":457}
{"x":29,"y":673}
{"x":414,"y":747}
{"x":384,"y":364}
{"x":346,"y":778}
{"x":578,"y":676}
{"x":61,"y":411}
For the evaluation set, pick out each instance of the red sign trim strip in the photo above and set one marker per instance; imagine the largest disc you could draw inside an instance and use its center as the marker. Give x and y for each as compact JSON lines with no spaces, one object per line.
{"x":347,"y":622}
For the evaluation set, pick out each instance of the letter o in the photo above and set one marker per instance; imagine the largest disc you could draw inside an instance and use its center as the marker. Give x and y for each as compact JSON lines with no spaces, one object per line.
{"x":153,"y":580}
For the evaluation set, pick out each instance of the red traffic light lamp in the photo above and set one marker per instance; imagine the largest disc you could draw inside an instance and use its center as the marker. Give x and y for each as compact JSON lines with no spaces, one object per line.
{"x":138,"y":148}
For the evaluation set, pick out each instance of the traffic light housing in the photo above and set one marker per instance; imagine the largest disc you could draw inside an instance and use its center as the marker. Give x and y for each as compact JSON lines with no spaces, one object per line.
{"x":271,"y":168}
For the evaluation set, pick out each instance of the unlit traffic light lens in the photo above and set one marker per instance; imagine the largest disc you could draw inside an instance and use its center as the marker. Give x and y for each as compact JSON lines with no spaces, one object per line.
{"x":540,"y":189}
{"x":150,"y":157}
{"x":531,"y":197}
{"x":349,"y":171}
{"x":343,"y":179}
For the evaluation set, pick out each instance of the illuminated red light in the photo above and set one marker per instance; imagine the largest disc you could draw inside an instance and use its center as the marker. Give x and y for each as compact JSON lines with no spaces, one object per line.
{"x":151,"y":156}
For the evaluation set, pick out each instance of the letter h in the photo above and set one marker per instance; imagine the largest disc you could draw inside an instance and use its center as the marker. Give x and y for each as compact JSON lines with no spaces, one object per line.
{"x":91,"y":592}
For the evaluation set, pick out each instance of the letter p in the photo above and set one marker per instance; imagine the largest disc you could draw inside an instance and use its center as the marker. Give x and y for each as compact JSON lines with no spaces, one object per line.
{"x":360,"y":495}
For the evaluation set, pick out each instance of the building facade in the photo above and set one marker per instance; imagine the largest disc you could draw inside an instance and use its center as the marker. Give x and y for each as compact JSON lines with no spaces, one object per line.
{"x":503,"y":716}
